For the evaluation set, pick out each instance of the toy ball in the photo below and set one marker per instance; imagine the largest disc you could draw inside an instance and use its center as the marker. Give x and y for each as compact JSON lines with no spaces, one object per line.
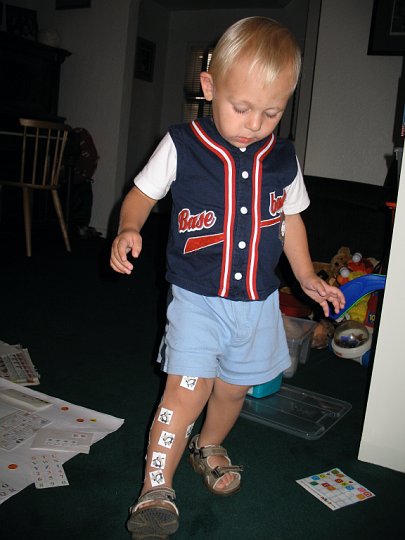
{"x":351,"y":334}
{"x":351,"y":340}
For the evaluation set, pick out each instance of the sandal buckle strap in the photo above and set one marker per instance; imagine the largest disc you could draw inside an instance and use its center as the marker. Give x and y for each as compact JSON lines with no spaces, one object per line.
{"x":218,"y":472}
{"x":164,"y":494}
{"x":207,"y":451}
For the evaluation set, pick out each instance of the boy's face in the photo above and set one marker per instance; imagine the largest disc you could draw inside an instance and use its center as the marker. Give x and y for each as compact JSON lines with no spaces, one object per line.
{"x":246,"y":110}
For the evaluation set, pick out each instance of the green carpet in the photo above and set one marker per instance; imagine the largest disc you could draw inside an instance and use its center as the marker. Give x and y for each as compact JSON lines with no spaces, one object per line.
{"x":93,"y":335}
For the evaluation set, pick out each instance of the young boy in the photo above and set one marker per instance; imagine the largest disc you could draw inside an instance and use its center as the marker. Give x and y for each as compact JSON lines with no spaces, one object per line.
{"x":237,"y":193}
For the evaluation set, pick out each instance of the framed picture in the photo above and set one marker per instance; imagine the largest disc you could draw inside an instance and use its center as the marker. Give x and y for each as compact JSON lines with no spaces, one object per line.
{"x":144,"y":59}
{"x":387,"y":33}
{"x":72,"y":4}
{"x":21,"y":22}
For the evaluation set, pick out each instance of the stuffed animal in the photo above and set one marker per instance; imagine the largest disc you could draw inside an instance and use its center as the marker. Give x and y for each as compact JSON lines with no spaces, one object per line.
{"x":357,"y":266}
{"x":329,"y":271}
{"x":324,"y":271}
{"x":341,"y":259}
{"x":323,"y":332}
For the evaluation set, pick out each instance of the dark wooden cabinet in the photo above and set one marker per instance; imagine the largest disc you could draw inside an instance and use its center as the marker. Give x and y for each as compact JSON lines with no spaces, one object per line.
{"x":29,"y":74}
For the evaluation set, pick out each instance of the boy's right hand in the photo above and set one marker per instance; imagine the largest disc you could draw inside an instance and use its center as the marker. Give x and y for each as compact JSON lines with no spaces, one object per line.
{"x":127,"y":241}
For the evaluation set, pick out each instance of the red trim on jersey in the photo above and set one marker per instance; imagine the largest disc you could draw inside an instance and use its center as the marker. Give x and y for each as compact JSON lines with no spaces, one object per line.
{"x":270,"y":222}
{"x":251,"y":275}
{"x":229,"y":214}
{"x":194,"y":243}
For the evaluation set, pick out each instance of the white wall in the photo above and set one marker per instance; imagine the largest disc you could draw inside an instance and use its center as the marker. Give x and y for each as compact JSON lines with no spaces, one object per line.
{"x":354,"y":98}
{"x":383,"y":439}
{"x":147,"y":97}
{"x":96,"y":85}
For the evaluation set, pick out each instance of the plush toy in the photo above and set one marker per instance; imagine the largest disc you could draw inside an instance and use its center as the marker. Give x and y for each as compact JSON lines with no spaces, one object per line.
{"x":341,"y":259}
{"x":357,"y":266}
{"x":323,"y":332}
{"x":329,"y":271}
{"x":324,"y":271}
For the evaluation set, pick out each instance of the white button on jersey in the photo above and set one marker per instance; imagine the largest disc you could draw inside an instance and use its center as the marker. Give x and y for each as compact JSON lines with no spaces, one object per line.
{"x":245,"y":175}
{"x":238,"y":276}
{"x":243,"y":210}
{"x":242,"y":244}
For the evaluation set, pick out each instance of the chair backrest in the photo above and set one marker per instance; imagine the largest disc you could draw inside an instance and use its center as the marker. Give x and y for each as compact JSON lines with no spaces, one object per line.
{"x":42,"y":153}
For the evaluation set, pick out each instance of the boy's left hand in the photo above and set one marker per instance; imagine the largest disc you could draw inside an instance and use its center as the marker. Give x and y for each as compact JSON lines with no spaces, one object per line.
{"x":317,"y":289}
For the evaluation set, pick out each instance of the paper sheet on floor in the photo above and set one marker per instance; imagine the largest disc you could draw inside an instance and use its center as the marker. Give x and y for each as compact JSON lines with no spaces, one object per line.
{"x":22,"y":417}
{"x":335,"y":489}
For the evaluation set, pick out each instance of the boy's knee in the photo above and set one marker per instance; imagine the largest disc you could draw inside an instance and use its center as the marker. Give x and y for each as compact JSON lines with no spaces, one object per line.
{"x":188,"y":391}
{"x":229,"y":391}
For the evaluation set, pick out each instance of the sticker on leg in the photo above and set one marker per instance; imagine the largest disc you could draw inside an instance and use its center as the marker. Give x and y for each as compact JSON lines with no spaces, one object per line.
{"x":156,"y":478}
{"x":158,"y":460}
{"x":165,"y":416}
{"x":166,"y":439}
{"x":189,"y":382}
{"x":189,"y":430}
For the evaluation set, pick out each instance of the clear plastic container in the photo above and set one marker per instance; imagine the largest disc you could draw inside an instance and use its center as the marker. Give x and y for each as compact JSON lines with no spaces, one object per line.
{"x":299,"y":335}
{"x":299,"y":412}
{"x":266,"y":389}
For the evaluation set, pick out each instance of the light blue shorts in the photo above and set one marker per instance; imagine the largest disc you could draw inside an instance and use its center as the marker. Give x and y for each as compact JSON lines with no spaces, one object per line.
{"x":242,"y":343}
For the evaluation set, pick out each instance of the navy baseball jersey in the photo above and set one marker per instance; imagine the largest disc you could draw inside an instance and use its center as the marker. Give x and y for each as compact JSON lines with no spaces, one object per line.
{"x":227,"y":222}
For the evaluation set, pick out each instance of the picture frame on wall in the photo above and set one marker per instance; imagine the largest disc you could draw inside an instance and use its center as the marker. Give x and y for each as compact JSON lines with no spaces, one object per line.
{"x":21,"y":22}
{"x":387,"y":32}
{"x":72,"y":4}
{"x":144,"y":59}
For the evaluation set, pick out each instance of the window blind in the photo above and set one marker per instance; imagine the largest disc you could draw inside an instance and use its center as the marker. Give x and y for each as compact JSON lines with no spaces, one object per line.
{"x":195,"y":104}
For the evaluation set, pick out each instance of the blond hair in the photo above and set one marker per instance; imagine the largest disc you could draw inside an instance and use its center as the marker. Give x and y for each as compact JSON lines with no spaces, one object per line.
{"x":269,"y":46}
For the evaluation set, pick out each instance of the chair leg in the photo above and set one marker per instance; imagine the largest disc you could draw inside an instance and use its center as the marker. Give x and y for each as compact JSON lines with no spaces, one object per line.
{"x":59,"y":213}
{"x":27,"y":219}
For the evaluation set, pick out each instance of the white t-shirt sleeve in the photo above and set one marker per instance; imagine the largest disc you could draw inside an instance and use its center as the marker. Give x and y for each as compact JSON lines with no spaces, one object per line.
{"x":297,"y":198}
{"x":158,"y":174}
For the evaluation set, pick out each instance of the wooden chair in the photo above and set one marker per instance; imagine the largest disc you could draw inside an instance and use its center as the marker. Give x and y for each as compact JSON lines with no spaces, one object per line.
{"x":43,"y":145}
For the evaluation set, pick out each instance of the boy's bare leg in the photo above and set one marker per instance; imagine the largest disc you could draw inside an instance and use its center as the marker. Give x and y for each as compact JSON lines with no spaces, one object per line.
{"x":179,"y":409}
{"x":224,"y":406}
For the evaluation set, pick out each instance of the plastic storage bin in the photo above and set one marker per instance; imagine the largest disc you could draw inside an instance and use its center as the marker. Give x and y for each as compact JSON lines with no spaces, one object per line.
{"x":299,"y":412}
{"x":266,"y":389}
{"x":299,"y":334}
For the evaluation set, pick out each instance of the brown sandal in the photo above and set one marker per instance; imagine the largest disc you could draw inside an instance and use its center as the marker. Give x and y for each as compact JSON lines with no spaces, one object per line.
{"x":199,"y":459}
{"x":154,"y":515}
